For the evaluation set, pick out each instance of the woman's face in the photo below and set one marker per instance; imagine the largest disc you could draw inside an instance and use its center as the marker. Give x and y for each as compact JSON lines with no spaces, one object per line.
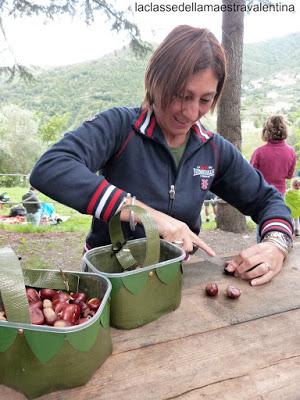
{"x":188,"y":107}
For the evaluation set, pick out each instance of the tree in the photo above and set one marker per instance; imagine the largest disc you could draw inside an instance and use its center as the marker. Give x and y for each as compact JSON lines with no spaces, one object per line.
{"x":51,"y":130}
{"x":20,"y":145}
{"x":294,"y":118}
{"x":51,"y":8}
{"x":228,"y":119}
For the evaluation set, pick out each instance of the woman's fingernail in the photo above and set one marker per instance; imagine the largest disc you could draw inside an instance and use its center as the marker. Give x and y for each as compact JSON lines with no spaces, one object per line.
{"x":187,"y":257}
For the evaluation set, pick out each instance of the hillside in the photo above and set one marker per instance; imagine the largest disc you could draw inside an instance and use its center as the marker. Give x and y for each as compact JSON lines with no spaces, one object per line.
{"x":271,"y":83}
{"x":80,"y":89}
{"x":269,"y":57}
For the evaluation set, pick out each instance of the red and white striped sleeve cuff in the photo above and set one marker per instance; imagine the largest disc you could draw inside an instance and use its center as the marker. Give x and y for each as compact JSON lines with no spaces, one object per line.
{"x":276,"y":224}
{"x":105,"y":201}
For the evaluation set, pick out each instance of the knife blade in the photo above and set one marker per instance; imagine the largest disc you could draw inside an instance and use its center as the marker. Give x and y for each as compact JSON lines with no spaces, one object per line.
{"x":216,"y":260}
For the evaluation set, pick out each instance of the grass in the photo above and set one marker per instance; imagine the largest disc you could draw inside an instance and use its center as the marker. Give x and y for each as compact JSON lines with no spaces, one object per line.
{"x":76,"y":223}
{"x":211,"y":225}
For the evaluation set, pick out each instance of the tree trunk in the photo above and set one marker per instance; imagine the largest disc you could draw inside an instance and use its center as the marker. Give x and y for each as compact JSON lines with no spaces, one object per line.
{"x":229,"y":121}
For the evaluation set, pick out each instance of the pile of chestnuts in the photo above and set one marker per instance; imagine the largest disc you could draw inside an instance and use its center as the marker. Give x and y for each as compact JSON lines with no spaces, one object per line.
{"x":58,"y":308}
{"x":232,"y":292}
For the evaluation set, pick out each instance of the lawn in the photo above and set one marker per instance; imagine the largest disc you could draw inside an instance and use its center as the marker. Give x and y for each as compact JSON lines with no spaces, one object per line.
{"x":76,"y":223}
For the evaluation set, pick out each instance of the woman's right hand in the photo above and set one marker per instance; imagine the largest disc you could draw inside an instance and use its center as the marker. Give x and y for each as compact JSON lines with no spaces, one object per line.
{"x":172,"y":230}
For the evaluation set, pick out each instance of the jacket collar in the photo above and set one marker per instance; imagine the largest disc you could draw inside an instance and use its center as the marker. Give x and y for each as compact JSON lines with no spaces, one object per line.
{"x":146,"y":124}
{"x":278,"y":142}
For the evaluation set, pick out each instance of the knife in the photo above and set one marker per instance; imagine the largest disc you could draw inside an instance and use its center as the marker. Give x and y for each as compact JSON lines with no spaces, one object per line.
{"x":216,"y":260}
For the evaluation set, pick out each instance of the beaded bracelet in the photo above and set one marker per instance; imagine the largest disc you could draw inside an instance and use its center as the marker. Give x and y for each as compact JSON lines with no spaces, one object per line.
{"x":279,"y":246}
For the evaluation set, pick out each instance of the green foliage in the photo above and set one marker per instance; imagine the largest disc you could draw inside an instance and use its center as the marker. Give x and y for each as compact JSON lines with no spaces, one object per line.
{"x":72,"y":94}
{"x":52,"y":129}
{"x":271,"y":56}
{"x":294,"y":118}
{"x":20,"y":145}
{"x":11,"y":181}
{"x":81,"y":90}
{"x":50,"y":9}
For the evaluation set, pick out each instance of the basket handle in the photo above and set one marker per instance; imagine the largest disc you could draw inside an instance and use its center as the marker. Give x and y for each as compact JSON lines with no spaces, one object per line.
{"x":12,"y":287}
{"x":119,"y":245}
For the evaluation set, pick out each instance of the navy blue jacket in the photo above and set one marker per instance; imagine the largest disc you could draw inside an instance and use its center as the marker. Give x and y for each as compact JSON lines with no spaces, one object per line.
{"x":123,"y":150}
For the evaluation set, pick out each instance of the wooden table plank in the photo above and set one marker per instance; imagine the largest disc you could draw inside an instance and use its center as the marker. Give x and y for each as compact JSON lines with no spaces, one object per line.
{"x":249,"y":352}
{"x":207,"y":348}
{"x":199,"y":313}
{"x":279,"y":381}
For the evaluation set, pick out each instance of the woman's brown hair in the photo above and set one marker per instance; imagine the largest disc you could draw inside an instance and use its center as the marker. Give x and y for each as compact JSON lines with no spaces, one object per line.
{"x":274,"y":129}
{"x":184,"y":52}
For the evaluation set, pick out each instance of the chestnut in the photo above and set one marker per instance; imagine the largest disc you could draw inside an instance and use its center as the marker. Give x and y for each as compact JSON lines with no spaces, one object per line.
{"x":50,"y":315}
{"x":86,"y":312}
{"x":226,"y":272}
{"x":32,"y":295}
{"x":83,"y":320}
{"x":47,"y":293}
{"x":71,"y":313}
{"x":60,"y":297}
{"x":36,"y":315}
{"x":211,"y":289}
{"x":59,"y":308}
{"x":94,"y":303}
{"x":233,"y":292}
{"x":78,"y":297}
{"x":83,"y":306}
{"x":37,"y":304}
{"x":47,"y":303}
{"x":62,"y":323}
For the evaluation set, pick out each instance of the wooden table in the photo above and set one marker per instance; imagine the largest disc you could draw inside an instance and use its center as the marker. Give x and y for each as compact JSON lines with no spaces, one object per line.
{"x":210,"y":348}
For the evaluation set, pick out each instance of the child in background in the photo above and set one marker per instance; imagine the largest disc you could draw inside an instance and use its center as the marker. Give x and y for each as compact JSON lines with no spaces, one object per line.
{"x":212,"y":199}
{"x":292,"y":200}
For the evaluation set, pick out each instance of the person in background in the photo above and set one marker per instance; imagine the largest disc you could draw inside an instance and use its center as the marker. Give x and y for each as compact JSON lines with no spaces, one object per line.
{"x":32,"y":206}
{"x":48,"y":210}
{"x":210,"y":198}
{"x":276,"y":160}
{"x":292,"y":200}
{"x":163,"y":156}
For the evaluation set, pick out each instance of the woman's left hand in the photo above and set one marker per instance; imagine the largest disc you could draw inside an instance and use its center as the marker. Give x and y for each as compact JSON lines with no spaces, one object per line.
{"x":258,"y":264}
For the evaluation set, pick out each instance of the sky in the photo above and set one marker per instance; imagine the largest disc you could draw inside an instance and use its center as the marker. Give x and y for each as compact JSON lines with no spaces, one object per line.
{"x":68,"y":41}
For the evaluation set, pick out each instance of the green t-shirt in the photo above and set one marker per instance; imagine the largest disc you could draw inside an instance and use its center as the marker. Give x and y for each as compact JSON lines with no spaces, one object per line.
{"x":177,"y":152}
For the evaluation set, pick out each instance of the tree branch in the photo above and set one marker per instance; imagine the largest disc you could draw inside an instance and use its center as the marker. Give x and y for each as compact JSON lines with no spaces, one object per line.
{"x":119,"y":22}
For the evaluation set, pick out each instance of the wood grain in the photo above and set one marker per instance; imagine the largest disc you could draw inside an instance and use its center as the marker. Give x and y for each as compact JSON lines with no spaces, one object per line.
{"x":199,"y":313}
{"x":249,"y":359}
{"x":210,"y":348}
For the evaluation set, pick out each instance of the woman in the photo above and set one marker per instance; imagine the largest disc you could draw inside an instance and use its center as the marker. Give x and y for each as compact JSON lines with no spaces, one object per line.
{"x":276,"y":160}
{"x":164,"y":156}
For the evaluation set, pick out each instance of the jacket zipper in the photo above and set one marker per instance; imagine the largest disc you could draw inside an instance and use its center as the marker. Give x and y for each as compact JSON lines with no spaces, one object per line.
{"x":171,"y":198}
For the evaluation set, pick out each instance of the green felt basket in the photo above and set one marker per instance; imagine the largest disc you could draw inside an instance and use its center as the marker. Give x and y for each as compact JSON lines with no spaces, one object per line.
{"x":38,"y":359}
{"x":143,"y":294}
